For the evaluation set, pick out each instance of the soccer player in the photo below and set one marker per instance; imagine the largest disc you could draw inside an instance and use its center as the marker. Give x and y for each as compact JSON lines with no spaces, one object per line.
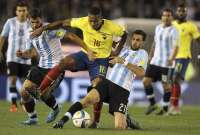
{"x":15,"y":29}
{"x":98,"y":36}
{"x":162,"y":55}
{"x":115,"y":88}
{"x":48,"y":46}
{"x":188,"y":31}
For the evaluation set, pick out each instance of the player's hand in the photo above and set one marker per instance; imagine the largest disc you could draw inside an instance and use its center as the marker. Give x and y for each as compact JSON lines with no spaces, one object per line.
{"x":115,"y":60}
{"x":170,"y":62}
{"x":91,"y":55}
{"x":58,"y":124}
{"x":1,"y":56}
{"x":19,"y":53}
{"x":36,"y":32}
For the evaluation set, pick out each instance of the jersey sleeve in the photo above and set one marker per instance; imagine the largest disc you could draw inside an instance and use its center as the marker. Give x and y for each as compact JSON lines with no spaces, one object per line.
{"x":29,"y":44}
{"x":77,"y":22}
{"x":117,"y":29}
{"x":56,"y":33}
{"x":175,"y":38}
{"x":6,"y":29}
{"x":194,"y":31}
{"x":142,"y":60}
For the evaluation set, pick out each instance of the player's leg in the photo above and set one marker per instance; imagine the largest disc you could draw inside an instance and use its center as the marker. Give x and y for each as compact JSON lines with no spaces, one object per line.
{"x":120,"y":120}
{"x":166,"y":98}
{"x":74,"y":62}
{"x":118,"y":100}
{"x":97,"y":70}
{"x":166,"y":83}
{"x":152,"y":74}
{"x":36,"y":75}
{"x":66,"y":63}
{"x":97,"y":94}
{"x":91,"y":98}
{"x":12,"y":77}
{"x":179,"y":75}
{"x":97,"y":107}
{"x":28,"y":102}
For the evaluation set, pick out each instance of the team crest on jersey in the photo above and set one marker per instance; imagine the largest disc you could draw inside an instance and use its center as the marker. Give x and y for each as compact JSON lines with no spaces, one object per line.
{"x":104,"y":35}
{"x":21,"y":32}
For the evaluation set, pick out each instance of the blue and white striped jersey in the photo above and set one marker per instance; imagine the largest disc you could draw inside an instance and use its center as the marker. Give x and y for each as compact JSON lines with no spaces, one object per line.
{"x":17,"y":34}
{"x":166,"y":38}
{"x":121,"y":75}
{"x":48,"y":46}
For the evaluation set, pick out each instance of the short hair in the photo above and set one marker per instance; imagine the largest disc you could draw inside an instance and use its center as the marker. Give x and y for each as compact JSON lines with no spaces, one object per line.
{"x":140,"y":32}
{"x":21,"y":4}
{"x":167,"y":10}
{"x":182,"y":5}
{"x":95,"y":11}
{"x":35,"y":12}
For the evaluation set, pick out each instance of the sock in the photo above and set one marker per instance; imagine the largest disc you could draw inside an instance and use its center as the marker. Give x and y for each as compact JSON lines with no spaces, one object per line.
{"x":13,"y":92}
{"x":176,"y":92}
{"x":30,"y":106}
{"x":166,"y":98}
{"x":150,"y":95}
{"x":97,"y":111}
{"x":51,"y":102}
{"x":49,"y":78}
{"x":32,"y":115}
{"x":72,"y":110}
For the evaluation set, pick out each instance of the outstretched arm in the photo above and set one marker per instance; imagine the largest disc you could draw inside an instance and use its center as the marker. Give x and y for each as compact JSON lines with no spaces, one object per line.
{"x":51,"y":26}
{"x":120,"y":45}
{"x":139,"y":71}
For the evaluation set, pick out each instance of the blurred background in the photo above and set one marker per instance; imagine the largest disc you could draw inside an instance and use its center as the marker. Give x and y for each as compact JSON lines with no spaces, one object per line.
{"x":132,"y":14}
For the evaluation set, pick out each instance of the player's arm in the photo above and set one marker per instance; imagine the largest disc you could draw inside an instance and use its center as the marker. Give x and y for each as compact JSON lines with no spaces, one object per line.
{"x":137,"y":70}
{"x":2,"y":40}
{"x":3,"y":36}
{"x":30,"y":53}
{"x":51,"y":26}
{"x":151,"y":53}
{"x":173,"y":55}
{"x":73,"y":37}
{"x":120,"y":45}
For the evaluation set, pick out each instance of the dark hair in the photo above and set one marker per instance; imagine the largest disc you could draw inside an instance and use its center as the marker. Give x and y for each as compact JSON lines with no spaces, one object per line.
{"x":140,"y":32}
{"x":95,"y":11}
{"x":21,"y":4}
{"x":182,"y":5}
{"x":167,"y":10}
{"x":34,"y":13}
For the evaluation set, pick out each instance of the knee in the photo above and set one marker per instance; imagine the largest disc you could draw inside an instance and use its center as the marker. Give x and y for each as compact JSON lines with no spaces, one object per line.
{"x":67,"y":63}
{"x":146,"y":82}
{"x":25,"y":95}
{"x":120,"y":126}
{"x":88,"y":100}
{"x":13,"y":80}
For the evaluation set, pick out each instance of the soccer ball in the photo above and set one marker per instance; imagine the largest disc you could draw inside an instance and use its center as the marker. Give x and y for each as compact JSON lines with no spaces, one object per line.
{"x":81,"y":119}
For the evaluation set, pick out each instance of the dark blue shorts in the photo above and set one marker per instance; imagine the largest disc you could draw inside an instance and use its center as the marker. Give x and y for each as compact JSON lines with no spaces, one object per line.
{"x":181,"y":67}
{"x":95,"y":68}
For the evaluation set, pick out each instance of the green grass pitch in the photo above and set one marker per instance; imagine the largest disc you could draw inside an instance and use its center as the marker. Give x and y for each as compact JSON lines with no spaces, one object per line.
{"x":186,"y":124}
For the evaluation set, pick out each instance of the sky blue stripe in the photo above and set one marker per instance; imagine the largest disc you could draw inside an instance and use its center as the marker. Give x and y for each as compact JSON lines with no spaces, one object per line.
{"x":160,"y":46}
{"x":47,"y":48}
{"x":126,"y":71}
{"x":13,"y":40}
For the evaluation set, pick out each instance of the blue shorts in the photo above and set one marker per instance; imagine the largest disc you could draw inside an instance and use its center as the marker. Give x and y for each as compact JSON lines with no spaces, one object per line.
{"x":98,"y":67}
{"x":181,"y":67}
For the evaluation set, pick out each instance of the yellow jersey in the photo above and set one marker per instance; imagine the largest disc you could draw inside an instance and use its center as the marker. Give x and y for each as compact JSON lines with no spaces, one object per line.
{"x":187,"y":31}
{"x":99,"y":41}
